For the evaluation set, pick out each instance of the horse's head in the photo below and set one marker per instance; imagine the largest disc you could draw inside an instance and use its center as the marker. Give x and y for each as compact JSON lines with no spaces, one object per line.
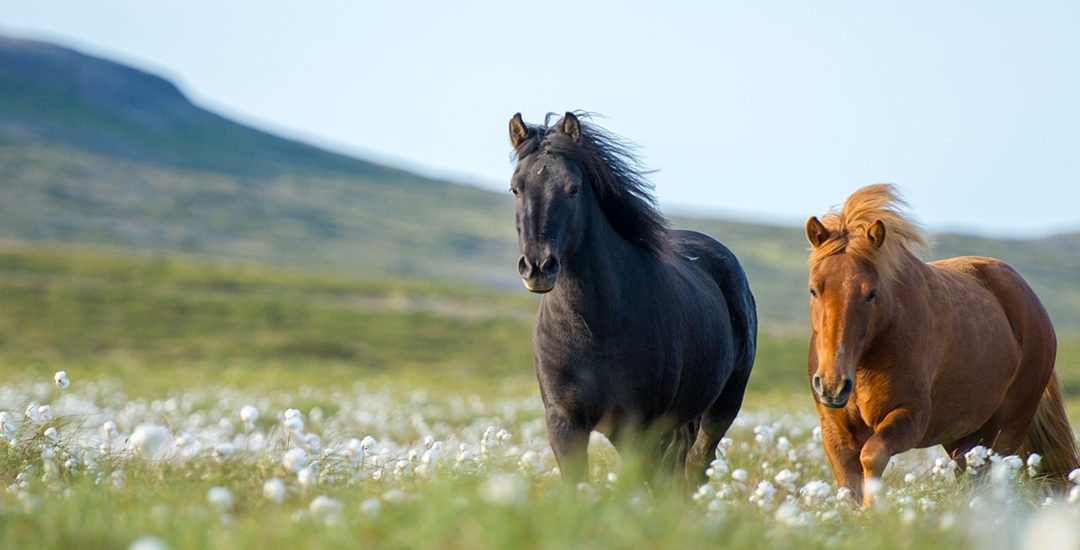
{"x":549,"y":193}
{"x":846,"y":297}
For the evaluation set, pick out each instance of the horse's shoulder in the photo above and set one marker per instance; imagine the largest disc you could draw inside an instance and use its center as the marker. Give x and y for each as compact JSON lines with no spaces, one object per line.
{"x":980,"y":267}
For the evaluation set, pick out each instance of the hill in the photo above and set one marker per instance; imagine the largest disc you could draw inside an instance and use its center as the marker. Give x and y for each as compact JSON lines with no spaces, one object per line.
{"x":94,"y":152}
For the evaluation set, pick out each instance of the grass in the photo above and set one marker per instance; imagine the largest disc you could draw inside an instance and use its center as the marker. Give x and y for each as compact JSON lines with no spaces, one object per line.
{"x":186,"y":341}
{"x":155,"y":320}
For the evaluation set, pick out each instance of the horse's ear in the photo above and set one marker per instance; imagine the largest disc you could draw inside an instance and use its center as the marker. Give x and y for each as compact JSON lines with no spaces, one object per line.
{"x":876,"y":233}
{"x":571,"y":126}
{"x":816,"y":232}
{"x":518,"y":131}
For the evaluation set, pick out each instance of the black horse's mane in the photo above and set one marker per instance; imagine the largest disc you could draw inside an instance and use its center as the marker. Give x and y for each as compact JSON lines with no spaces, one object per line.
{"x":618,"y":179}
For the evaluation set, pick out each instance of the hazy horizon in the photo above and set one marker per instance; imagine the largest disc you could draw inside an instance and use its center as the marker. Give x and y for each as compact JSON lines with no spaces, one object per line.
{"x":756,"y":113}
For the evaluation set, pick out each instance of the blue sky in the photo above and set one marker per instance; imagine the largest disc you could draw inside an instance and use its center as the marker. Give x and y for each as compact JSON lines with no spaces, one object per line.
{"x":765,"y":111}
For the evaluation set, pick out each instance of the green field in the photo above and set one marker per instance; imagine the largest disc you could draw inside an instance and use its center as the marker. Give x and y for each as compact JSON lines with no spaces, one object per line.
{"x":186,"y":342}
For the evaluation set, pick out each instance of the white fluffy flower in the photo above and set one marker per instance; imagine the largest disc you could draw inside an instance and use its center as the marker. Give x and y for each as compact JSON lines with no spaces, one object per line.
{"x":294,"y":459}
{"x":33,"y":412}
{"x":61,"y":379}
{"x":763,"y":495}
{"x":274,"y":490}
{"x":148,"y":439}
{"x":531,"y":463}
{"x":307,"y":478}
{"x":815,"y":492}
{"x":294,"y":421}
{"x":1074,"y":476}
{"x":786,"y":479}
{"x":369,"y":444}
{"x":1034,"y":461}
{"x":371,"y":507}
{"x":220,"y":498}
{"x":147,"y":542}
{"x":249,"y":414}
{"x":506,"y":489}
{"x":976,"y":458}
{"x":7,"y":423}
{"x":325,"y":508}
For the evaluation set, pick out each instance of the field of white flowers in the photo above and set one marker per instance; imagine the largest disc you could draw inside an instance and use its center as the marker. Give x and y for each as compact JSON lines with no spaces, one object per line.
{"x":83,"y":465}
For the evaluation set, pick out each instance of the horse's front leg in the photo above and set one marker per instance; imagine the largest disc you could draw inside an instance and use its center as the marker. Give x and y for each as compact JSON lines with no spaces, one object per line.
{"x":900,"y":430}
{"x":843,"y":442}
{"x":570,"y":443}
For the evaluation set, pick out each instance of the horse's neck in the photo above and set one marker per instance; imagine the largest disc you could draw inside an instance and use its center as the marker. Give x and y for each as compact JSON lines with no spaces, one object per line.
{"x":911,"y":294}
{"x":599,"y":277}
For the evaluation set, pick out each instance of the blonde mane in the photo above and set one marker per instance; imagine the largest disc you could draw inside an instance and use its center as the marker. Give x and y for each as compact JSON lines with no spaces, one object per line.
{"x":847,"y":230}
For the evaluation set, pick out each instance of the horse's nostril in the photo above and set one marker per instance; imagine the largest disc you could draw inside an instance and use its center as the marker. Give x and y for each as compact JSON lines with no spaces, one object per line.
{"x":817,"y":383}
{"x":549,"y":266}
{"x":847,"y":387}
{"x":524,"y":268}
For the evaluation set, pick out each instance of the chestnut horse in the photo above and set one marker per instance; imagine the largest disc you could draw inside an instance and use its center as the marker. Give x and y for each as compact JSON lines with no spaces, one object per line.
{"x":906,"y":354}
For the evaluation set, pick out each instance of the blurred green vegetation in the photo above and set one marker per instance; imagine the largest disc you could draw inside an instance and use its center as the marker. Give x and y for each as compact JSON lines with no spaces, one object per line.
{"x":158,"y":320}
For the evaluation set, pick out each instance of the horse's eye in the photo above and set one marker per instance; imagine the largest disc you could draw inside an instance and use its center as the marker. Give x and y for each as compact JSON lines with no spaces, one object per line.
{"x":813,"y":293}
{"x":574,"y":191}
{"x":871,"y":295}
{"x":514,"y":190}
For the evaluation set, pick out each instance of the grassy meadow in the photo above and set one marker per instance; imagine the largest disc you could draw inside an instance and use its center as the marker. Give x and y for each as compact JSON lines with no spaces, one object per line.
{"x":391,"y":413}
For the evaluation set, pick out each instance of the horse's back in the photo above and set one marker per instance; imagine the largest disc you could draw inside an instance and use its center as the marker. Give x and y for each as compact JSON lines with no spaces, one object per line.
{"x":719,"y":263}
{"x":1027,"y":316}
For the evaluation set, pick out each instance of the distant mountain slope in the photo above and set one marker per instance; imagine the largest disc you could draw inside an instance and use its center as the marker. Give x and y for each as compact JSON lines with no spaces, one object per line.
{"x":96,"y":152}
{"x":99,"y":153}
{"x":61,"y":96}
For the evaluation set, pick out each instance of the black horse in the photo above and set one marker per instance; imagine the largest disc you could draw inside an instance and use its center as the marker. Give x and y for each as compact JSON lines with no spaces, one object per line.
{"x":641,"y":328}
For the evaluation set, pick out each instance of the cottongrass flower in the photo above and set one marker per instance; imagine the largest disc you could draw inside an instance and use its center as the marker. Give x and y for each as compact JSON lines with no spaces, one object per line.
{"x":224,"y":451}
{"x":7,"y":423}
{"x":147,"y":542}
{"x":369,"y":444}
{"x":33,"y":412}
{"x":1074,"y":476}
{"x":307,"y":478}
{"x":294,"y":460}
{"x":148,"y":439}
{"x":976,"y":458}
{"x":61,"y":380}
{"x":717,"y":468}
{"x":531,"y":463}
{"x":1034,"y":461}
{"x":944,"y":468}
{"x":503,"y":489}
{"x":371,"y":507}
{"x":108,"y":429}
{"x":249,"y":414}
{"x":274,"y":490}
{"x":1074,"y":495}
{"x":786,"y":479}
{"x":326,"y":508}
{"x":763,"y":495}
{"x":294,"y":421}
{"x":220,"y":498}
{"x":51,"y":434}
{"x":1004,"y":469}
{"x":815,"y":492}
{"x":429,"y":462}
